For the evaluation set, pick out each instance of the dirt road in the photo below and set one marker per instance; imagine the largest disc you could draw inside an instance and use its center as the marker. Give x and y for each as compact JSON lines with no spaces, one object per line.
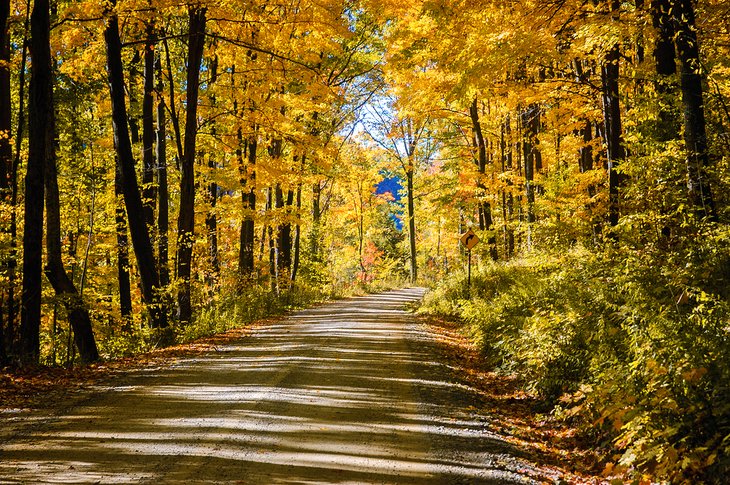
{"x":350,"y":392}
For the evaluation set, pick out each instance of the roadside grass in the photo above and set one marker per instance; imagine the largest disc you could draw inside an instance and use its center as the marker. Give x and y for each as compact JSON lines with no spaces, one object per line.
{"x":627,"y":346}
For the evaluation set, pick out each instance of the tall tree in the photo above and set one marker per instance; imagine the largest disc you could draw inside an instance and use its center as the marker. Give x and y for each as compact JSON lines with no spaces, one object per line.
{"x":6,"y":149}
{"x":150,"y":280}
{"x":120,"y":221}
{"x":41,"y":80}
{"x":162,"y":195}
{"x":530,"y":122}
{"x":186,"y":217}
{"x":148,"y":126}
{"x":612,"y":127}
{"x":248,"y":198}
{"x":485,"y":208}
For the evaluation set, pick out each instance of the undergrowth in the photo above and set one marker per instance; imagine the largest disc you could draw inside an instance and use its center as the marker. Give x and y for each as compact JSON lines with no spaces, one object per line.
{"x":631,"y":344}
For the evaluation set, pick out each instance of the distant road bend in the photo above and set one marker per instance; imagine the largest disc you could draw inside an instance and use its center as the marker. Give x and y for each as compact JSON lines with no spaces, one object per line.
{"x":350,"y":392}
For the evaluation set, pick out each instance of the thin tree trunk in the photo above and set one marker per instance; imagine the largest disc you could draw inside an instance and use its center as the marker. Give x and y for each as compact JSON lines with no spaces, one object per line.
{"x":411,"y":221}
{"x":132,"y":198}
{"x":123,"y":280}
{"x":530,"y":122}
{"x":211,"y":218}
{"x":211,"y":222}
{"x":297,"y":236}
{"x":173,"y":110}
{"x":10,"y":335}
{"x":274,"y":284}
{"x":283,"y":233}
{"x":186,"y":218}
{"x":6,"y":151}
{"x":316,"y":222}
{"x":162,"y":196}
{"x":148,"y":128}
{"x":41,"y":80}
{"x":612,"y":121}
{"x":485,"y":209}
{"x":248,"y":197}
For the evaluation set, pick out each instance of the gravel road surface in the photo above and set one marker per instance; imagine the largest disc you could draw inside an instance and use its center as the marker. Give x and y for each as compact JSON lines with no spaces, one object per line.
{"x":350,"y":392}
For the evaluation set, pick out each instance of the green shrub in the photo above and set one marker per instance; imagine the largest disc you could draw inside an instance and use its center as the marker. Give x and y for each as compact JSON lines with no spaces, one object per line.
{"x":630,"y":342}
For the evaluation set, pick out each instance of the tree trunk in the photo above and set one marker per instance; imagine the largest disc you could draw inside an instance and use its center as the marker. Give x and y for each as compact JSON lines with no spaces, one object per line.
{"x":13,"y":306}
{"x":411,"y":222}
{"x":316,"y":222}
{"x":6,"y":149}
{"x":41,"y":80}
{"x":666,"y":66}
{"x":283,"y":233}
{"x":485,"y":208}
{"x":530,"y":117}
{"x":695,"y":136}
{"x":186,"y":219}
{"x":132,"y":198}
{"x":297,"y":236}
{"x":148,"y":129}
{"x":211,"y":222}
{"x":162,"y":196}
{"x":6,"y":152}
{"x":248,"y":197}
{"x":612,"y":122}
{"x":274,"y":284}
{"x":125,"y":286}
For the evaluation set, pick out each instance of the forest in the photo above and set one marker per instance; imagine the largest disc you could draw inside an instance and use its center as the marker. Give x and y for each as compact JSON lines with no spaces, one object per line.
{"x":170,"y":169}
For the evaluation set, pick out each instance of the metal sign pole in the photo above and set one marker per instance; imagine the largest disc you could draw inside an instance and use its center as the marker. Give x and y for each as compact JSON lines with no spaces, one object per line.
{"x":468,"y":276}
{"x":468,"y":240}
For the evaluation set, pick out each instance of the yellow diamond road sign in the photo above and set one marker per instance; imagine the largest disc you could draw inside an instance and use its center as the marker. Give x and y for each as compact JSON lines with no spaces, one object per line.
{"x":469,"y":239}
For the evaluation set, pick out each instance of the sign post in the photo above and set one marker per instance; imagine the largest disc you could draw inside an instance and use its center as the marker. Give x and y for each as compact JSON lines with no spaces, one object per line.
{"x":468,"y":240}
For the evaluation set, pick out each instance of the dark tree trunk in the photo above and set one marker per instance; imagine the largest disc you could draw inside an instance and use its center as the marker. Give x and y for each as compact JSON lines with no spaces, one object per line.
{"x":665,"y":59}
{"x":162,"y":196}
{"x":485,"y":209}
{"x":148,"y":128}
{"x":248,"y":197}
{"x":530,"y":123}
{"x":13,"y":306}
{"x":612,"y":126}
{"x":411,"y":221}
{"x":211,"y":222}
{"x":283,"y":235}
{"x":695,"y":136}
{"x":316,"y":222}
{"x":297,"y":236}
{"x":132,"y":198}
{"x":272,"y":244}
{"x":186,"y":219}
{"x":125,"y":286}
{"x":211,"y":218}
{"x":41,"y":80}
{"x":133,"y":118}
{"x":6,"y":151}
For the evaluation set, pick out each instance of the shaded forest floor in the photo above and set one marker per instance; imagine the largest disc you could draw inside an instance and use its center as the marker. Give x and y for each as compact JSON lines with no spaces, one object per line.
{"x":511,"y":410}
